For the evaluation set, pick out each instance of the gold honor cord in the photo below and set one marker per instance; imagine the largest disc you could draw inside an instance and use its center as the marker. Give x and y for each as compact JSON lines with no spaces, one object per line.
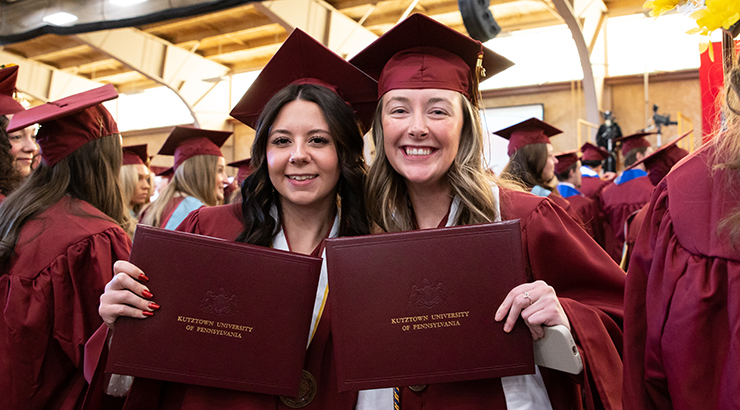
{"x":396,"y":398}
{"x":318,"y":317}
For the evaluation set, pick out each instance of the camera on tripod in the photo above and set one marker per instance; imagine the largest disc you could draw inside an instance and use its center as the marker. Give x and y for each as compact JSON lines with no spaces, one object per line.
{"x":661,"y":120}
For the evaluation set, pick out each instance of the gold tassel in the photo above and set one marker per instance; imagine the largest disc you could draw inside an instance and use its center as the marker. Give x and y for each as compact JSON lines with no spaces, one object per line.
{"x":480,"y":71}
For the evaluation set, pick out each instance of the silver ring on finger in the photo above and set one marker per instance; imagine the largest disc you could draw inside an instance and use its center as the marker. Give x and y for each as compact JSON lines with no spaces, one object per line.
{"x":526,"y":296}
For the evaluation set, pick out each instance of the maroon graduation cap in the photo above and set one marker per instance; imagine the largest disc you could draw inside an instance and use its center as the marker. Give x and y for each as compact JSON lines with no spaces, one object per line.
{"x":531,"y":131}
{"x":8,"y":104}
{"x":244,"y":169}
{"x":593,"y":153}
{"x":636,"y":140}
{"x":421,"y":53}
{"x":164,"y":172}
{"x":135,"y":154}
{"x":187,"y":142}
{"x":660,"y":162}
{"x":565,"y":160}
{"x":69,"y":123}
{"x":303,"y":60}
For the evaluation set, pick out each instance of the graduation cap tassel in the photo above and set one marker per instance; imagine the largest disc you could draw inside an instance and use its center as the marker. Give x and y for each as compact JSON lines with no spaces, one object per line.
{"x":480,"y":72}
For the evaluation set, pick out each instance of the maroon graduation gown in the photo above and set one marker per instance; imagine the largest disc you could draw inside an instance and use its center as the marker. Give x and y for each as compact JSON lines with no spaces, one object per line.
{"x":225,"y":222}
{"x":632,"y":229}
{"x":567,"y":207}
{"x":682,"y":302}
{"x":50,"y":297}
{"x":590,"y":287}
{"x":591,"y":187}
{"x":590,"y":215}
{"x":620,"y":201}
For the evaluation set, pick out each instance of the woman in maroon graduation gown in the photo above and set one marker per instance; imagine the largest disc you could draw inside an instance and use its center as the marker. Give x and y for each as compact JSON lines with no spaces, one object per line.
{"x":16,"y":150}
{"x":682,"y":313}
{"x":428,"y":173}
{"x":199,"y":175}
{"x":307,"y":159}
{"x":61,"y":233}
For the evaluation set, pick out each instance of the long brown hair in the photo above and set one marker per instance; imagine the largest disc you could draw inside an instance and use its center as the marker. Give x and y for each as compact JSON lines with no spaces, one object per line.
{"x":526,"y":165}
{"x":258,"y":194}
{"x":10,"y":178}
{"x":89,"y":174}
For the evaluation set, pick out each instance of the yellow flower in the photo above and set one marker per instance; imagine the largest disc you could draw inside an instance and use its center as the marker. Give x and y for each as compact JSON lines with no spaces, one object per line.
{"x":718,"y":13}
{"x":660,"y":6}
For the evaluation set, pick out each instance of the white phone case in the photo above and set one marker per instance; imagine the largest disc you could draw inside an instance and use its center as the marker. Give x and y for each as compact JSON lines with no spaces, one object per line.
{"x":557,"y":350}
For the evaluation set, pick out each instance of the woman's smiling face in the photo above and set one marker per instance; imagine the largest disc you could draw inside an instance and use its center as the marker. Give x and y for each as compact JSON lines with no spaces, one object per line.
{"x":421,"y":132}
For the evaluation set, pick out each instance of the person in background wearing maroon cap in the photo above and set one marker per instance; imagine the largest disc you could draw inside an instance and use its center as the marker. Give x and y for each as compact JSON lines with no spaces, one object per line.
{"x":532,"y":161}
{"x":592,"y":180}
{"x":198,"y":180}
{"x":244,"y":168}
{"x":135,"y":179}
{"x":61,"y":232}
{"x":568,"y":173}
{"x":630,"y":191}
{"x":18,"y":147}
{"x":682,"y":311}
{"x":428,"y":173}
{"x":658,"y":164}
{"x":307,"y":185}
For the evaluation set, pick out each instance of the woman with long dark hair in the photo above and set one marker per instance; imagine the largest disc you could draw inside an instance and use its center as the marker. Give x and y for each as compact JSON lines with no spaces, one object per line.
{"x":307,"y":185}
{"x":61,"y":233}
{"x":532,"y":160}
{"x":428,"y":173}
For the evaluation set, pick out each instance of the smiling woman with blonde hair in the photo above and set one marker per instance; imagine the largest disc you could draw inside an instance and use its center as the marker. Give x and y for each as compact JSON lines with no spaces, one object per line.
{"x":429,"y":174}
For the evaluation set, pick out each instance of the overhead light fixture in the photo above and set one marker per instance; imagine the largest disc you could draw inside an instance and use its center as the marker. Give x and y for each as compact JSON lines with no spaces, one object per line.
{"x":60,"y":19}
{"x":125,"y":3}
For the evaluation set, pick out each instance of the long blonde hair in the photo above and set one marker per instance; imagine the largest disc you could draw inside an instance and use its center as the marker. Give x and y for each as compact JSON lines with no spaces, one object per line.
{"x":386,"y":194}
{"x":727,"y":150}
{"x":195,"y":177}
{"x":129,"y":179}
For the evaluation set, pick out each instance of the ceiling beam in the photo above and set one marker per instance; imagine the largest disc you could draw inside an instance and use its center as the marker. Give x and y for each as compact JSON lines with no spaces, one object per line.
{"x":320,"y":20}
{"x":45,"y":83}
{"x":186,"y":73}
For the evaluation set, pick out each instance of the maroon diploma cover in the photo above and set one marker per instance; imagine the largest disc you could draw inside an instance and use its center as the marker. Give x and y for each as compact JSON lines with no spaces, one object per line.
{"x":417,"y":307}
{"x":232,"y":315}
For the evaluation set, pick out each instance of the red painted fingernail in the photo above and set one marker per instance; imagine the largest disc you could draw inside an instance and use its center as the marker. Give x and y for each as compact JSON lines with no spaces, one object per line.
{"x":147,"y":313}
{"x":153,"y":306}
{"x":147,"y":294}
{"x":143,"y":277}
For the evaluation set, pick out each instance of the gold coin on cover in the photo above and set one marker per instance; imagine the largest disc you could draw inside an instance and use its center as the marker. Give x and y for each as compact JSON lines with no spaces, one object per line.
{"x":418,"y":387}
{"x":306,"y":392}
